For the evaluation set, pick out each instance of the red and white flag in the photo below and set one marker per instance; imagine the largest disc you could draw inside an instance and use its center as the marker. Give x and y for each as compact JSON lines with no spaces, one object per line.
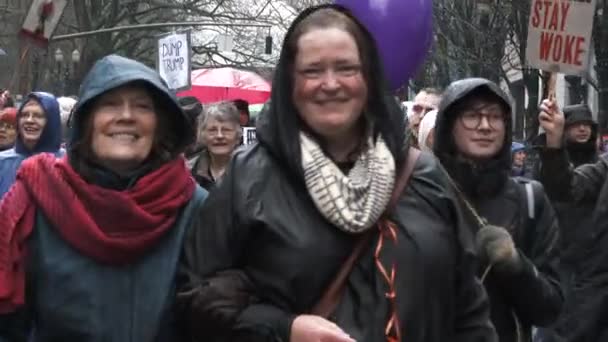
{"x":42,"y":19}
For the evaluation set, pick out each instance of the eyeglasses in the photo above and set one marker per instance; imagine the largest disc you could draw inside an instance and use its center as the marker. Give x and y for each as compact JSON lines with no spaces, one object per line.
{"x":494,"y":114}
{"x":215,"y":131}
{"x":32,"y":115}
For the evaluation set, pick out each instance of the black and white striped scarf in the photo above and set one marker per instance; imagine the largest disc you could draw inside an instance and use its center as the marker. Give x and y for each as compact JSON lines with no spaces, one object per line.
{"x":352,"y":202}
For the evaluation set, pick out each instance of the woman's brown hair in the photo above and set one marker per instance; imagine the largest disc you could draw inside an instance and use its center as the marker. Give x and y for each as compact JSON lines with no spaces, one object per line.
{"x":331,"y":18}
{"x":164,"y":149}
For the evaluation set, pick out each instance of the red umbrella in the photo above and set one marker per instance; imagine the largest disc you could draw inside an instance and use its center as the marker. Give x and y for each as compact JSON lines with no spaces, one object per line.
{"x":220,"y":84}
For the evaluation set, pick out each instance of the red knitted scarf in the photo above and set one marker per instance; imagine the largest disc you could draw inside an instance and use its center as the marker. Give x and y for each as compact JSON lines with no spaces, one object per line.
{"x":111,"y":227}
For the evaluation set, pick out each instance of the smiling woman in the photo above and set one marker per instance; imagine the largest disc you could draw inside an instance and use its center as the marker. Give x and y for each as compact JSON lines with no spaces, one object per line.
{"x":129,"y":196}
{"x":38,"y":130}
{"x":219,"y":132}
{"x":313,"y":190}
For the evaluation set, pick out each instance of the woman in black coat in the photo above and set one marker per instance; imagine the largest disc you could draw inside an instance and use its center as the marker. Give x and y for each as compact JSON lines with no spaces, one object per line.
{"x":290,"y":209}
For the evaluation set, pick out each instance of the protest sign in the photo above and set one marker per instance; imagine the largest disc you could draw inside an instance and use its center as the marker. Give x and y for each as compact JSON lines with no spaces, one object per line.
{"x":42,"y":19}
{"x":173,"y":60}
{"x":559,"y":35}
{"x":249,"y":136}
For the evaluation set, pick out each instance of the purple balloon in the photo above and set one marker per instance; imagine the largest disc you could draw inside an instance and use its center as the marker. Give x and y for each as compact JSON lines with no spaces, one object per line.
{"x":403,"y":30}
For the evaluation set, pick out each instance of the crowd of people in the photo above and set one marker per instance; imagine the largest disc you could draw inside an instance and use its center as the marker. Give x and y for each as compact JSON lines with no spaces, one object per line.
{"x":129,"y":214}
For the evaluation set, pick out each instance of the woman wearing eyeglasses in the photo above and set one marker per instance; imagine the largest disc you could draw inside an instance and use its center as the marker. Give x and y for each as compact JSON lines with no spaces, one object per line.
{"x":220,"y":134}
{"x":515,"y":225}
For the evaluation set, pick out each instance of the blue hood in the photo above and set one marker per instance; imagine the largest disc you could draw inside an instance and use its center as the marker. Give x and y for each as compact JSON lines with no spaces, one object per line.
{"x":50,"y":140}
{"x":114,"y":71}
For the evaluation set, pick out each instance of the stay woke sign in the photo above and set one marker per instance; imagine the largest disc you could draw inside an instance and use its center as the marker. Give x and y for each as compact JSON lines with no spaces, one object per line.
{"x":559,"y":35}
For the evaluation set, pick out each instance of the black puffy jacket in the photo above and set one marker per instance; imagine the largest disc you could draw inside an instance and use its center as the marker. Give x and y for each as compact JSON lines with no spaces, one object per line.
{"x":532,"y":296}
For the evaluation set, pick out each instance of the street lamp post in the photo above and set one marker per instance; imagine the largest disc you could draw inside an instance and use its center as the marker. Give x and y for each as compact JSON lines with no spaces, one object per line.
{"x":74,"y":72}
{"x":59,"y":59}
{"x":66,"y":71}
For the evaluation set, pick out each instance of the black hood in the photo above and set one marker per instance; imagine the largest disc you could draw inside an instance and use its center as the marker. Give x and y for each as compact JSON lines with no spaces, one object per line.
{"x":581,"y":153}
{"x":279,"y":124}
{"x":475,"y":178}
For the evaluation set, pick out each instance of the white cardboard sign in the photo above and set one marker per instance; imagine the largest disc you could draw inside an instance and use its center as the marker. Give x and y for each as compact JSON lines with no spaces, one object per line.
{"x":559,"y":35}
{"x":42,"y":19}
{"x":173,"y":60}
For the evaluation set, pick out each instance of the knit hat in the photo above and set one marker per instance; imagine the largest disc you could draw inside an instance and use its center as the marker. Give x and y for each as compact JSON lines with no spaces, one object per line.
{"x":517,"y":147}
{"x":9,"y":115}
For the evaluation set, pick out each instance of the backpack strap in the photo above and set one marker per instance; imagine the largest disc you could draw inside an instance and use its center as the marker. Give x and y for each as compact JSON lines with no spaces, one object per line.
{"x":530,"y":201}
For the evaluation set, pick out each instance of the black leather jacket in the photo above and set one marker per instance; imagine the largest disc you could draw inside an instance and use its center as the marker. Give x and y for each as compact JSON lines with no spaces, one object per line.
{"x":260,"y":220}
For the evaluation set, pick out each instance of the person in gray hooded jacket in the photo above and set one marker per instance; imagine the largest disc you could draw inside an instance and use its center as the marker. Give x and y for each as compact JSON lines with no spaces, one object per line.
{"x":515,"y":225}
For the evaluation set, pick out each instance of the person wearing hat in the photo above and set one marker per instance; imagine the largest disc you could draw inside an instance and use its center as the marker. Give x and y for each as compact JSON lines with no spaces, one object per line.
{"x":8,"y":128}
{"x":580,"y":135}
{"x":518,"y":160}
{"x":576,"y":220}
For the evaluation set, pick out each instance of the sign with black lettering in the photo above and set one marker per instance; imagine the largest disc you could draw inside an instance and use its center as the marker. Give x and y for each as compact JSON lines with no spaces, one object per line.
{"x":249,"y":136}
{"x":559,"y":35}
{"x":173,"y":61}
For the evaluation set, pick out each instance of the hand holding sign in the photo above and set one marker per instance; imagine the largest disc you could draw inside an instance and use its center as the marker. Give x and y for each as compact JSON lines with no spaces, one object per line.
{"x":552,"y":121}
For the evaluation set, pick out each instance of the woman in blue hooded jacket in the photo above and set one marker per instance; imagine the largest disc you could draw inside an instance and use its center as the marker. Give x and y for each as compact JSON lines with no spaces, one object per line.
{"x":89,"y":243}
{"x":38,"y":131}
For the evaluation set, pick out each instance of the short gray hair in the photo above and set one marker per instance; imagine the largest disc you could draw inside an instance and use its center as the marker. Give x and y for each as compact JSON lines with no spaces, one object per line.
{"x":224,"y":111}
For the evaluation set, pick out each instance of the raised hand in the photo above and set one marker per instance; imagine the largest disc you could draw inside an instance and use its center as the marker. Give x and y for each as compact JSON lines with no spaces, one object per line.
{"x":552,"y":121}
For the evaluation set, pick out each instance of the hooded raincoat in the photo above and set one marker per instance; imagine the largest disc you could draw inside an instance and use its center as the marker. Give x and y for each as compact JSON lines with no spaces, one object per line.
{"x":578,"y":232}
{"x":50,"y":140}
{"x":585,"y":318}
{"x":262,"y":221}
{"x":531,"y":296}
{"x":74,"y":297}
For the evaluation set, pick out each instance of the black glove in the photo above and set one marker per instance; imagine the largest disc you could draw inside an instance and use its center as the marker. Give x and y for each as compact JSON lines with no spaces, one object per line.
{"x":216,"y":303}
{"x":496,"y":247}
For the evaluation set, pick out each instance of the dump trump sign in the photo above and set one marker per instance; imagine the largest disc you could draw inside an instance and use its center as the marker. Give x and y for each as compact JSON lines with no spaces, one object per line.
{"x":559,"y":35}
{"x":173,"y":60}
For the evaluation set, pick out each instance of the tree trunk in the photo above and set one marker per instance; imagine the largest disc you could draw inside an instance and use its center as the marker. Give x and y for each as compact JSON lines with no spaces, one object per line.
{"x":531,"y":78}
